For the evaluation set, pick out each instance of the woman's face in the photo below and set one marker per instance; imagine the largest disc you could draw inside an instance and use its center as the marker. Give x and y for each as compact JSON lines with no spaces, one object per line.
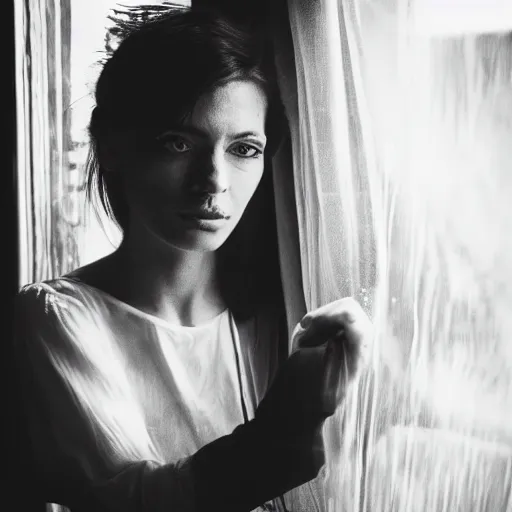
{"x":191,"y":188}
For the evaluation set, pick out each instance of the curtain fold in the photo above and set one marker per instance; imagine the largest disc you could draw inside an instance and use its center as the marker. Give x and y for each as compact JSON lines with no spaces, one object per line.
{"x":401,"y":178}
{"x":43,"y":93}
{"x":332,"y":157}
{"x":285,"y":189}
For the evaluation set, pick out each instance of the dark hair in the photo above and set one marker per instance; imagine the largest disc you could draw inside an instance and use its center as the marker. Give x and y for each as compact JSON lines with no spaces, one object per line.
{"x":202,"y":49}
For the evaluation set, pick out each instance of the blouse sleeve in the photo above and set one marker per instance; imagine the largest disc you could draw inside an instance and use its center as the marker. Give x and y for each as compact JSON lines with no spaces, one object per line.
{"x":65,"y":460}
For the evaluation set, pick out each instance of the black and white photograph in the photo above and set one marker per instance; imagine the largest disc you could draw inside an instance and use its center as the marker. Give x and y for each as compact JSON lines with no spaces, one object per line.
{"x":259,"y":256}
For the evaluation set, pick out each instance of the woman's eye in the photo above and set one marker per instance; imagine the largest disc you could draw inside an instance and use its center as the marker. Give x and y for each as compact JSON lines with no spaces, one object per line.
{"x":175,"y":144}
{"x":246,"y":151}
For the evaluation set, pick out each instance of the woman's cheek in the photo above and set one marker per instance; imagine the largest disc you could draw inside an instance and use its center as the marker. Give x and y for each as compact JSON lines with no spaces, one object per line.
{"x":247,"y":178}
{"x":158,"y":178}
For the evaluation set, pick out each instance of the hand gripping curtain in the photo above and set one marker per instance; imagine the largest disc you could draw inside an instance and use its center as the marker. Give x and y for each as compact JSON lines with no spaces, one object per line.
{"x":400,"y":128}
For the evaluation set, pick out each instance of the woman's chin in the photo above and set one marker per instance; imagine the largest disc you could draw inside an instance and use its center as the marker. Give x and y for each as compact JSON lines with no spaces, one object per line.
{"x":196,"y":240}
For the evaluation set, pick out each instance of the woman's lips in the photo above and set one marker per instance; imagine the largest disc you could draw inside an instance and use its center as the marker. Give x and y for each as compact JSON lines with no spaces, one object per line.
{"x":204,"y":221}
{"x":214,"y":213}
{"x":206,"y":215}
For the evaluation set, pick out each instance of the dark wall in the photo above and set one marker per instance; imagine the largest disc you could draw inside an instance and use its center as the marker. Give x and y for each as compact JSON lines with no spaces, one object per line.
{"x":254,"y":12}
{"x":9,"y":264}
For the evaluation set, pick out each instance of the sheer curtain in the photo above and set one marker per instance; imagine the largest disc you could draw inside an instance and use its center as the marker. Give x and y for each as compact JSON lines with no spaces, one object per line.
{"x":400,"y":139}
{"x":42,"y":33}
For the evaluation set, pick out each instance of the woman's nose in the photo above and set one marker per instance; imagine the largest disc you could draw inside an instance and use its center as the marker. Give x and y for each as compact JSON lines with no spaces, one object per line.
{"x":212,"y":175}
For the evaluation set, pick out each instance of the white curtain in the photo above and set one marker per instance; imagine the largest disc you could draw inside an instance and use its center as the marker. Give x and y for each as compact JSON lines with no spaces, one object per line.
{"x":401,"y":137}
{"x":42,"y":32}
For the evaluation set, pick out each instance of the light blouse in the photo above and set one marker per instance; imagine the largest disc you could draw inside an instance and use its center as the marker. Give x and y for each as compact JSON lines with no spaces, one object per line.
{"x":117,"y":400}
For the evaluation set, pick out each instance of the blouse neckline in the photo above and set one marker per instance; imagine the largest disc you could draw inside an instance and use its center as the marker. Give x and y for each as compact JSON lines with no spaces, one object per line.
{"x":148,"y":316}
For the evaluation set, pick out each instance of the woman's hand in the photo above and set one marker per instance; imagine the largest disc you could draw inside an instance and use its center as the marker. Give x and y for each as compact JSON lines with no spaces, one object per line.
{"x":330,"y":346}
{"x":344,"y":333}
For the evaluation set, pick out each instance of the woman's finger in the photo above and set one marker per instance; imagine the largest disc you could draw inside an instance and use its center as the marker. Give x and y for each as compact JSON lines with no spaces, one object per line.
{"x":334,"y":368}
{"x":344,"y":357}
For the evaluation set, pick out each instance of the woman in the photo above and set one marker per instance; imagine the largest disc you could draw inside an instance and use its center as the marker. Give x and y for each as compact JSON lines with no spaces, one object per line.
{"x":150,"y":377}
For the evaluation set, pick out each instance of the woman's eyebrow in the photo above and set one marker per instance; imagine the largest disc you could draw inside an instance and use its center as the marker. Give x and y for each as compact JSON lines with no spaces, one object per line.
{"x":243,"y":135}
{"x":189,"y":130}
{"x":192,"y":130}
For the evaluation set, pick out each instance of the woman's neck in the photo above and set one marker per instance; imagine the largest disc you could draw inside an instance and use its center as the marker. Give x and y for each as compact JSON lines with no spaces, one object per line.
{"x":178,"y":286}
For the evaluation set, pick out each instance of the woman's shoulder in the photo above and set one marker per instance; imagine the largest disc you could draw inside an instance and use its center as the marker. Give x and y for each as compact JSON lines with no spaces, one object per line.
{"x":58,"y":300}
{"x":57,"y":314}
{"x":47,"y":293}
{"x":44,"y":293}
{"x":45,"y":310}
{"x":64,"y":290}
